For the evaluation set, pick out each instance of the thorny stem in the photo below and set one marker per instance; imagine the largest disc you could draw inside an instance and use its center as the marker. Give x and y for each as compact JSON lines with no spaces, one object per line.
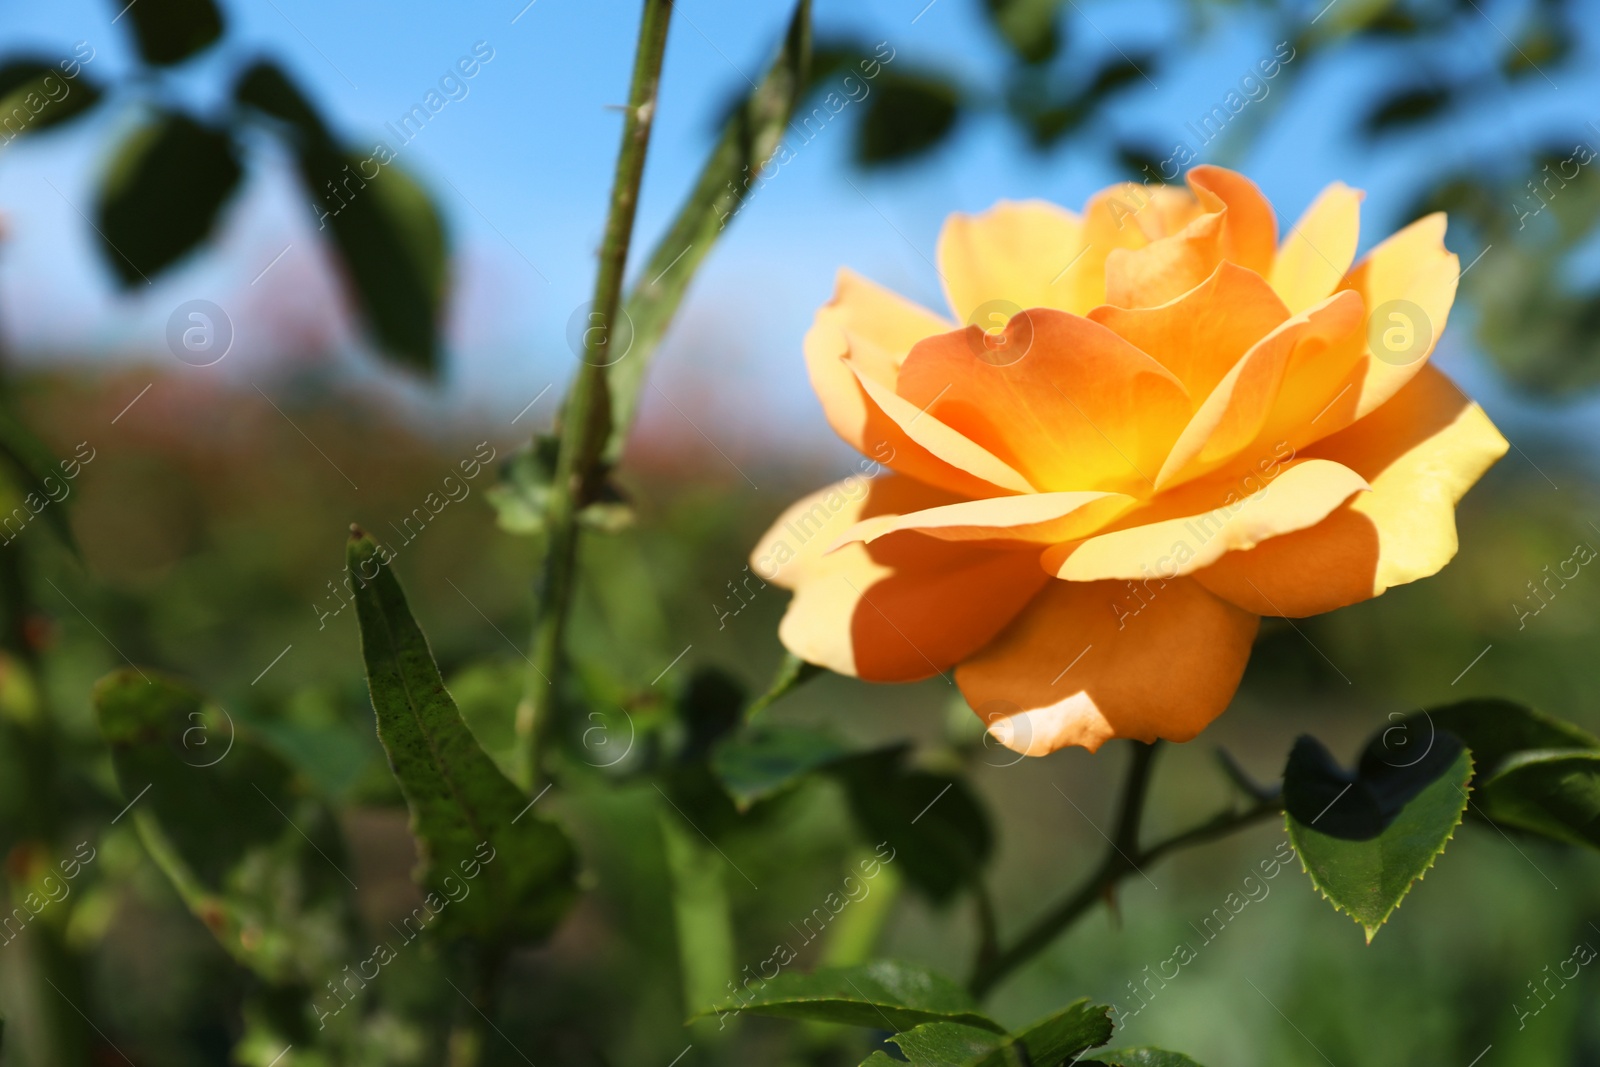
{"x":586,"y":415}
{"x":1124,"y":857}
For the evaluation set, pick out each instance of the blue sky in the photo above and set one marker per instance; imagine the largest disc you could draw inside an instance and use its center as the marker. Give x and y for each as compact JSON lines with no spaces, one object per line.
{"x":521,"y":168}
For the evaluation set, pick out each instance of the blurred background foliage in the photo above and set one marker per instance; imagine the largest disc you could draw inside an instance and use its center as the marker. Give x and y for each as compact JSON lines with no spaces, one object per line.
{"x":208,"y":533}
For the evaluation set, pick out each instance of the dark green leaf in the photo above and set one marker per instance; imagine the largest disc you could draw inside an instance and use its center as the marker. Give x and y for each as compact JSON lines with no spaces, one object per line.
{"x":881,"y":994}
{"x":265,"y":87}
{"x":473,"y":827}
{"x":758,"y":764}
{"x":391,"y":242}
{"x":710,"y":706}
{"x":937,"y":828}
{"x":1376,"y":832}
{"x":951,"y":1045}
{"x":747,"y":150}
{"x":1030,"y":27}
{"x":40,"y":477}
{"x":1406,"y":108}
{"x":1493,"y":729}
{"x":259,"y":862}
{"x":170,"y":31}
{"x":162,"y":194}
{"x":1554,"y":792}
{"x":907,"y":116}
{"x":1064,"y":1035}
{"x":36,"y":94}
{"x":1140,"y":1057}
{"x":792,"y":673}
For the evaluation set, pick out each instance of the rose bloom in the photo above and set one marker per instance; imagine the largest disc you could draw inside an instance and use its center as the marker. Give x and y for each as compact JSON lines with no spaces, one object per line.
{"x":1141,"y":429}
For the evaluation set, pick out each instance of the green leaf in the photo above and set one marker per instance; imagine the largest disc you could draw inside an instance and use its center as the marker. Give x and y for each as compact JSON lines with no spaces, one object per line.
{"x":1030,"y":27}
{"x":907,"y":116}
{"x":39,"y":475}
{"x":1140,"y":1057}
{"x":881,"y":994}
{"x":755,"y":765}
{"x":473,"y":827}
{"x":750,"y":139}
{"x":1066,"y":1034}
{"x":1408,"y":107}
{"x":951,"y":1045}
{"x":701,"y":913}
{"x":937,"y":828}
{"x":162,"y":194}
{"x":36,"y":94}
{"x":1366,"y":838}
{"x":521,"y":495}
{"x":255,"y":858}
{"x":1494,"y":730}
{"x":170,"y":31}
{"x":792,"y":673}
{"x":1552,"y":792}
{"x":265,"y":87}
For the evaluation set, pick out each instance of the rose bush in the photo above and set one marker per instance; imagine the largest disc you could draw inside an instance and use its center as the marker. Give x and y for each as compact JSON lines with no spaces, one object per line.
{"x":1141,"y":429}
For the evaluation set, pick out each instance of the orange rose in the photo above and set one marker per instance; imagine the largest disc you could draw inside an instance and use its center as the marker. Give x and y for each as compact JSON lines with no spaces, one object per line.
{"x":1157,"y":425}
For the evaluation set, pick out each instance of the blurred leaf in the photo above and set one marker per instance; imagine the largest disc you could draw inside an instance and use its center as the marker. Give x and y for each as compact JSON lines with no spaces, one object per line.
{"x":751,"y":139}
{"x":34,"y":468}
{"x":1554,"y":793}
{"x":1030,"y":27}
{"x":1140,"y":1057}
{"x":170,"y":31}
{"x":701,"y":913}
{"x":1116,"y":73}
{"x":938,"y":830}
{"x":907,"y":116}
{"x":759,"y":764}
{"x":1366,"y":838}
{"x":710,"y":706}
{"x":792,"y":673}
{"x":35,"y":95}
{"x":162,"y":194}
{"x":257,"y":861}
{"x":879,"y":994}
{"x":465,"y":814}
{"x":1546,"y":44}
{"x":521,"y":495}
{"x":265,"y":87}
{"x":1406,"y":108}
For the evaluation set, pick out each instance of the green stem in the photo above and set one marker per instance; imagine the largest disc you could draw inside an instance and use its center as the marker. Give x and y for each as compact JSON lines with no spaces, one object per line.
{"x":586,"y":415}
{"x":1124,"y":857}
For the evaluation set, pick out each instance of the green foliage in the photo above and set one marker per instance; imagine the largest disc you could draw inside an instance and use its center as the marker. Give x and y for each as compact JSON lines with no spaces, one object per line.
{"x":906,"y":116}
{"x":757,"y":764}
{"x":257,"y":859}
{"x":1030,"y":27}
{"x":1553,"y":793}
{"x":38,"y":475}
{"x":750,"y":138}
{"x":162,"y":194}
{"x":170,"y":31}
{"x":882,"y":993}
{"x":521,"y":496}
{"x":474,"y":828}
{"x":1140,"y":1057}
{"x":35,"y":95}
{"x":1366,"y":838}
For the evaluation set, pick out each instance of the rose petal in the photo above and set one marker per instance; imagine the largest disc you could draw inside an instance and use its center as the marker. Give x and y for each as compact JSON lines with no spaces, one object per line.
{"x":1171,"y":537}
{"x":1319,"y":249}
{"x":1086,"y":662}
{"x":1250,"y":236}
{"x":1078,"y":409}
{"x":1040,"y":518}
{"x":1420,"y":452}
{"x":904,"y":608}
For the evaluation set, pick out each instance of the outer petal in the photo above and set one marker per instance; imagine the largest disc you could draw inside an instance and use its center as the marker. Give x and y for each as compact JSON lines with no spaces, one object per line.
{"x":905,"y":608}
{"x":1014,"y":253}
{"x":1320,"y":248}
{"x":1420,"y":452}
{"x":1041,"y":518}
{"x":1202,"y":334}
{"x":1301,"y":496}
{"x":1250,"y":238}
{"x":1087,"y":662}
{"x":1081,"y":409}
